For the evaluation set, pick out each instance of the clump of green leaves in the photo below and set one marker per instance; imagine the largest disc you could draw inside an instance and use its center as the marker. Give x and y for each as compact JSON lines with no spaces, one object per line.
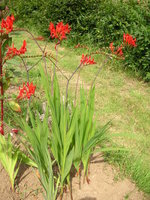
{"x":73,"y":135}
{"x":86,"y":136}
{"x":36,"y":142}
{"x":63,"y":130}
{"x":9,"y":157}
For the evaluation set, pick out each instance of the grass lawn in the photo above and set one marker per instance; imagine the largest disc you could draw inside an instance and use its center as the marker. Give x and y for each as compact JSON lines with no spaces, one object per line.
{"x":120,"y":97}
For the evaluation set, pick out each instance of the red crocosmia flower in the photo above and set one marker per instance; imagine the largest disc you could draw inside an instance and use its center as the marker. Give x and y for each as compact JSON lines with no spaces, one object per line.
{"x":85,"y":60}
{"x":12,"y":51}
{"x":128,"y":39}
{"x":52,"y":30}
{"x":60,"y":31}
{"x":111,"y":46}
{"x":31,"y":90}
{"x":7,"y":24}
{"x":27,"y":91}
{"x":1,"y":31}
{"x":22,"y":92}
{"x":119,"y":51}
{"x":23,"y":48}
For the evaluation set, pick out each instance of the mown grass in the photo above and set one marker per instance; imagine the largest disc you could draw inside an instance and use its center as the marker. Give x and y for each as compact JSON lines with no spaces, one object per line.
{"x":120,"y":97}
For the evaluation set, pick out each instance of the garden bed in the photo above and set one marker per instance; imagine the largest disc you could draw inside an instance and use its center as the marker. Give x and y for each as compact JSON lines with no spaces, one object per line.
{"x":105,"y":183}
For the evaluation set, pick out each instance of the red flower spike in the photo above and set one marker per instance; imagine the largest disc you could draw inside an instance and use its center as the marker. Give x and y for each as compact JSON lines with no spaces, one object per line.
{"x":7,"y":24}
{"x":1,"y":31}
{"x":128,"y":39}
{"x":23,"y":48}
{"x":12,"y":51}
{"x":119,"y":51}
{"x":27,"y":91}
{"x":87,"y":60}
{"x":60,"y":31}
{"x":31,"y":90}
{"x":111,"y":46}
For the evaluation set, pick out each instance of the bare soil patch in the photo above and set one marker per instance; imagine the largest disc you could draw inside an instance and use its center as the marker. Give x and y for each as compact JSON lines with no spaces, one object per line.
{"x":105,"y":184}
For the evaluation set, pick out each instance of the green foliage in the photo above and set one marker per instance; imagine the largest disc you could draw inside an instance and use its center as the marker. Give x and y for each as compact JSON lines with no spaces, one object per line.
{"x":6,"y":42}
{"x":3,"y":4}
{"x":96,"y":21}
{"x":85,"y":130}
{"x":130,"y":17}
{"x":115,"y":18}
{"x":74,"y":136}
{"x":63,"y":130}
{"x":9,"y":157}
{"x":42,"y":12}
{"x":86,"y":136}
{"x":36,"y":142}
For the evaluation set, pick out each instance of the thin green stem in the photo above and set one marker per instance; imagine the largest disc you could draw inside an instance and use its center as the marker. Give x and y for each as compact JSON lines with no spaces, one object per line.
{"x":2,"y":90}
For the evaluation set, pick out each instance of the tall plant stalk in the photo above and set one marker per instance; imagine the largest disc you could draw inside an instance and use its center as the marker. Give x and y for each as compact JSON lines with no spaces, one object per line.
{"x":54,"y":70}
{"x":2,"y":91}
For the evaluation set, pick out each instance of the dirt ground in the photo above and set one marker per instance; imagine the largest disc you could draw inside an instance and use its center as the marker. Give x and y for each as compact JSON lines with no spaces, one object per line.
{"x":105,"y":184}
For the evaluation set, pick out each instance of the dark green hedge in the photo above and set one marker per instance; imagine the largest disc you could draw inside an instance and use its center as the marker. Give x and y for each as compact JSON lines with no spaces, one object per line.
{"x":133,"y":18}
{"x":99,"y":21}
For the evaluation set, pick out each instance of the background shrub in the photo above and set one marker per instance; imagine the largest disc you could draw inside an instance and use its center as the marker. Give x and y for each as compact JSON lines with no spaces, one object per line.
{"x":97,"y":22}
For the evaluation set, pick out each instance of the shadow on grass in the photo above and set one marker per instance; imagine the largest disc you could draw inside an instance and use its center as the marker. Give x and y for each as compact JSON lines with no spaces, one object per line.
{"x":97,"y":159}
